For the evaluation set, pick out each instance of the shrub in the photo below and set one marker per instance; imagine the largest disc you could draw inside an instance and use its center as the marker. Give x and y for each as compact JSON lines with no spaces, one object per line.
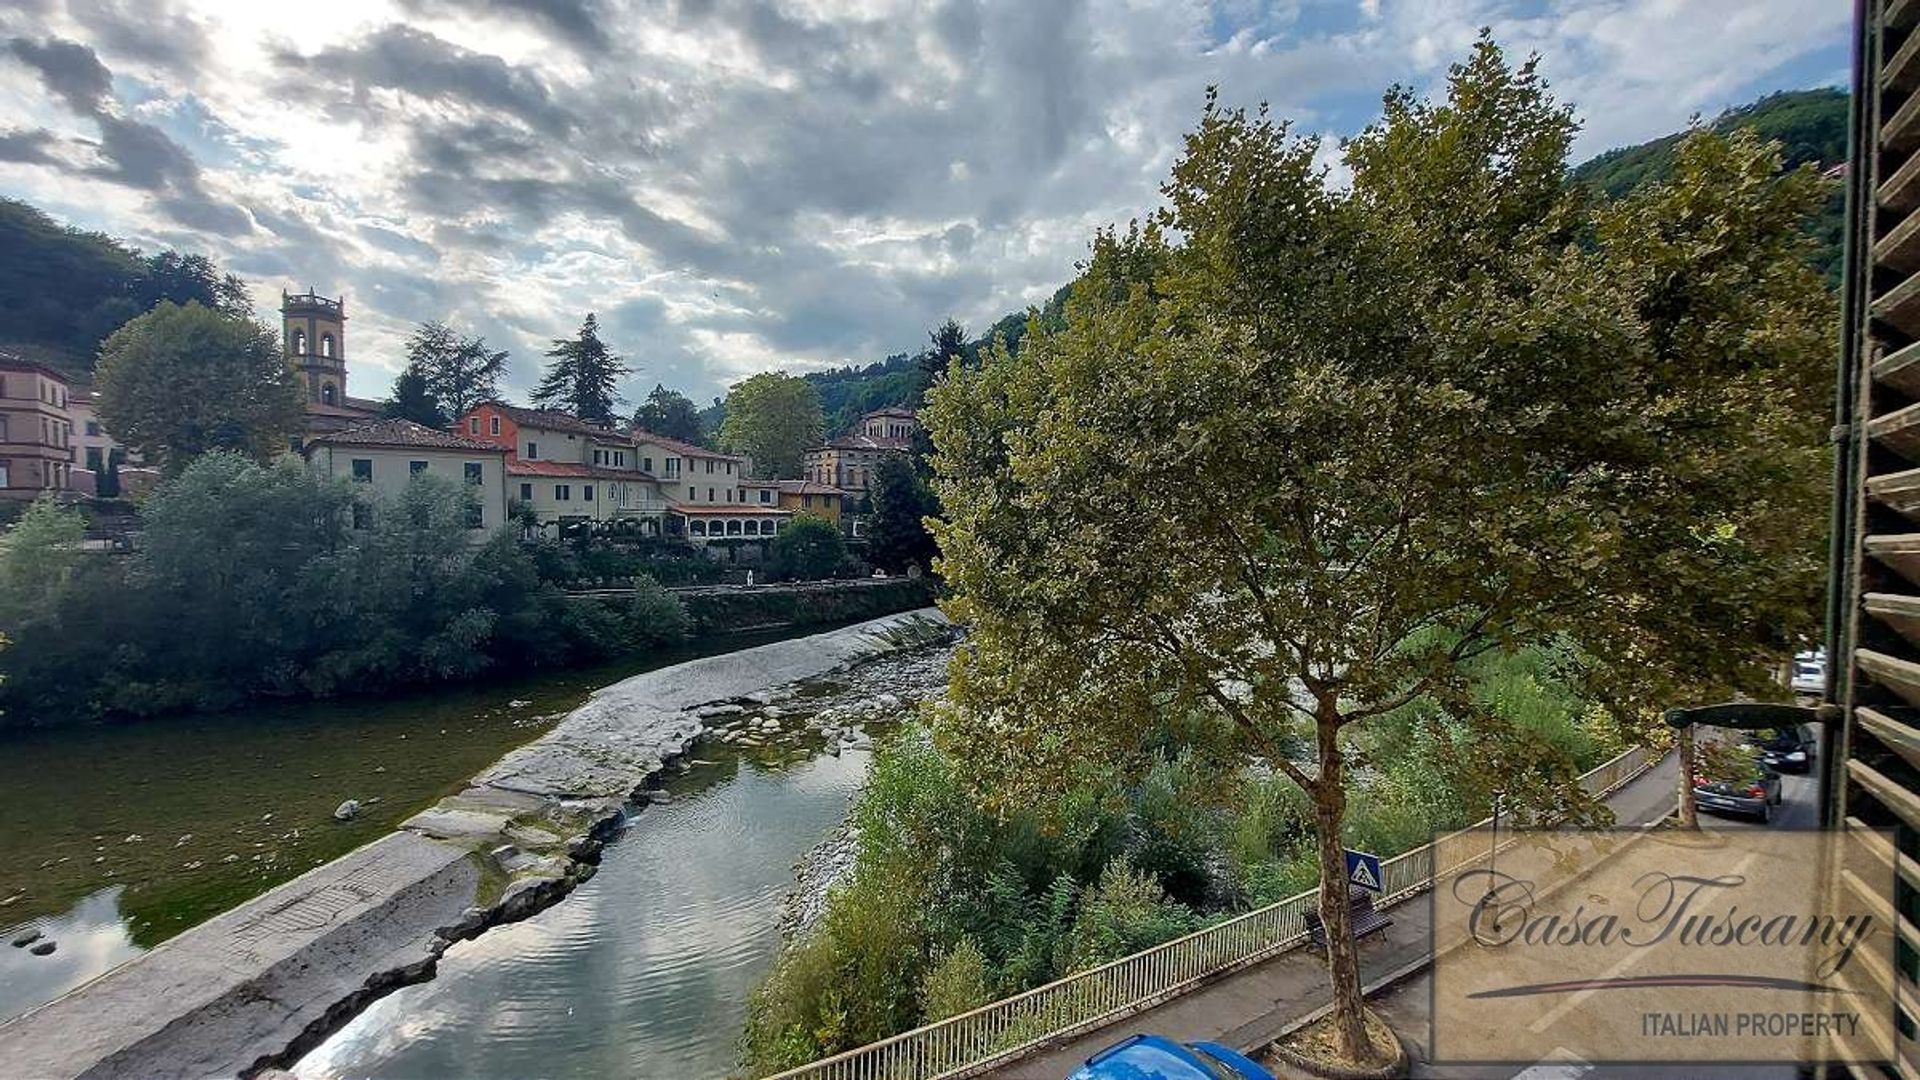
{"x":655,"y":616}
{"x":1126,"y":912}
{"x":808,"y":549}
{"x":958,"y":983}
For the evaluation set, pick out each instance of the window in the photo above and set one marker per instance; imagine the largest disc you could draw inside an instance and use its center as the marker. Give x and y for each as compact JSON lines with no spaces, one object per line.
{"x":526,"y":492}
{"x":93,"y":429}
{"x":586,"y":492}
{"x":690,"y":495}
{"x":415,"y":468}
{"x":806,"y":501}
{"x":326,"y":344}
{"x":599,"y":456}
{"x":697,"y":527}
{"x":673,"y":467}
{"x":753,"y":528}
{"x":474,"y":472}
{"x":473,"y":425}
{"x":327,"y":393}
{"x":563,"y":492}
{"x":646,"y":464}
{"x":710,"y":497}
{"x":620,"y":459}
{"x":362,"y":515}
{"x":533,"y":451}
{"x":766,"y":495}
{"x":299,"y":342}
{"x":493,"y":425}
{"x":476,"y":514}
{"x":733,"y":527}
{"x":3,"y":427}
{"x":6,"y":474}
{"x":709,"y":466}
{"x":362,"y":470}
{"x":94,"y":462}
{"x":768,"y":527}
{"x":729,"y":468}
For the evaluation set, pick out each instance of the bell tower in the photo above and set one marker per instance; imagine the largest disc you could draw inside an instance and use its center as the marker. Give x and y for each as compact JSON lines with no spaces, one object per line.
{"x":314,"y":331}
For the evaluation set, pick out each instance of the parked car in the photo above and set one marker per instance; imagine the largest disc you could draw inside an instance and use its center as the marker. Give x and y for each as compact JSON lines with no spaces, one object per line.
{"x":1809,"y":672}
{"x":1150,"y":1057}
{"x":1788,"y":749}
{"x":1753,"y":793}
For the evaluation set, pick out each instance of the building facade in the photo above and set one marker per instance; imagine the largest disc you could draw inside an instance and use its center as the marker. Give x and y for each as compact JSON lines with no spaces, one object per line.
{"x":848,"y":462}
{"x":565,"y":471}
{"x":708,"y":493}
{"x":36,"y":432}
{"x":382,"y":457}
{"x":314,"y":335}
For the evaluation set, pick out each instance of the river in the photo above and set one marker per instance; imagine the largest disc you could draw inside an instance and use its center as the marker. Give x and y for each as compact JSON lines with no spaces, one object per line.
{"x":644,"y":971}
{"x":117,"y":837}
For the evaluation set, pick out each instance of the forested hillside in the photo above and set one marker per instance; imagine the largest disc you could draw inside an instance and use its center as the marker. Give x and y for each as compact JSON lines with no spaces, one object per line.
{"x":1810,"y":125}
{"x":64,"y":290}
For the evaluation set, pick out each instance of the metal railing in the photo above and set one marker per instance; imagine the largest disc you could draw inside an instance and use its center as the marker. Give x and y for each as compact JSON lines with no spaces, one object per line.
{"x":1003,"y":1030}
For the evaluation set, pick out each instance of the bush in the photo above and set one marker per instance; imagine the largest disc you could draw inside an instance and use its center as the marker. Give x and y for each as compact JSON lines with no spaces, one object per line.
{"x":808,"y":549}
{"x":655,"y":616}
{"x":958,"y":983}
{"x":1126,"y":912}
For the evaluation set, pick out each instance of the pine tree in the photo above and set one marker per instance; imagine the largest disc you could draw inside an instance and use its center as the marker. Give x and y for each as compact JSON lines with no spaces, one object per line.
{"x":456,"y":372}
{"x":583,"y":376}
{"x":412,"y":400}
{"x":944,"y":342}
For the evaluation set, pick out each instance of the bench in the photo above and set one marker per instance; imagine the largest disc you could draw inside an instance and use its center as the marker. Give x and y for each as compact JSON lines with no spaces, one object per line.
{"x":1362,"y":917}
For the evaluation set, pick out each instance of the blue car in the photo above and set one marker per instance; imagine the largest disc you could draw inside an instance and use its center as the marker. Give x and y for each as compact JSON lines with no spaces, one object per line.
{"x":1150,"y":1057}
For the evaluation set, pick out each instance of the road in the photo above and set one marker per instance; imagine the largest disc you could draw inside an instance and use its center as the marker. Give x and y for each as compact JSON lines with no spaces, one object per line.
{"x":1407,"y":1006}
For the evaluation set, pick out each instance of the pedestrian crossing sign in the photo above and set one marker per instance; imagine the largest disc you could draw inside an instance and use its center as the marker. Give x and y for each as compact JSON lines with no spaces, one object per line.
{"x":1363,"y":870}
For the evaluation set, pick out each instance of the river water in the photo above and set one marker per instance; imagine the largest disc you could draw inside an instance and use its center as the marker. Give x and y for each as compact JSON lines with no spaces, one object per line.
{"x":114,"y":838}
{"x":643,"y":973}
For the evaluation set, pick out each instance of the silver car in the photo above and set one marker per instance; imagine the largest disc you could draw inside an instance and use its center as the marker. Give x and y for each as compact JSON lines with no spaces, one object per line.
{"x":1810,"y":672}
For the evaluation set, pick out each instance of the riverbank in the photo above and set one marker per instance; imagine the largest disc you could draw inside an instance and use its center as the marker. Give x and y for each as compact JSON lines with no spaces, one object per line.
{"x":260,"y":984}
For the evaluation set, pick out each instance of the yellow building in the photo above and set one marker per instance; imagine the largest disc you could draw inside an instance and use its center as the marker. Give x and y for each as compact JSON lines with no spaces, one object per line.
{"x":848,"y":462}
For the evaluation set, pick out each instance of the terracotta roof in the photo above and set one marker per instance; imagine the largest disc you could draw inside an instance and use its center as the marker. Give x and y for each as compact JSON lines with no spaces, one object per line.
{"x":685,"y":449}
{"x":554,"y":419}
{"x":808,"y":487}
{"x":12,"y":362}
{"x":521,"y":467}
{"x":404,"y":434}
{"x":709,"y":510}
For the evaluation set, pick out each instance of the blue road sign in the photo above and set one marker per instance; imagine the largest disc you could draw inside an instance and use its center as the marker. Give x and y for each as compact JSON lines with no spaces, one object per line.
{"x":1364,"y":870}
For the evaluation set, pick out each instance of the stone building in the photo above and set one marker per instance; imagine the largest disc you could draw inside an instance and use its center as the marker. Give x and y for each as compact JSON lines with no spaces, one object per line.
{"x":314,"y":335}
{"x":384,"y":455}
{"x":847,"y":463}
{"x":36,"y":433}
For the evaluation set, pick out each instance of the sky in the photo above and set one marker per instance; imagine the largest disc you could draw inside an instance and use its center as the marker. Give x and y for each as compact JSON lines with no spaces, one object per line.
{"x":738,"y":186}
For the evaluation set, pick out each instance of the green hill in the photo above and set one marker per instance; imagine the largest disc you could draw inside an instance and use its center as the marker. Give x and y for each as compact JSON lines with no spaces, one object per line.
{"x":1810,"y":125}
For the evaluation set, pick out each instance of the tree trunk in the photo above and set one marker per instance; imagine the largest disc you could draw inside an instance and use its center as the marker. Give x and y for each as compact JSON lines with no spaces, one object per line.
{"x":1343,"y":961}
{"x":1689,"y":813}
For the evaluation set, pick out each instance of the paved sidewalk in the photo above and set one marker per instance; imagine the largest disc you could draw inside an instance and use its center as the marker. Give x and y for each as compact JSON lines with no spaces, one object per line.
{"x":1248,"y":1009}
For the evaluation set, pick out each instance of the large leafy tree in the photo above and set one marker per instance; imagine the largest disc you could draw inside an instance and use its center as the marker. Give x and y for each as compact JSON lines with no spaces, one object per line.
{"x":1305,"y":462}
{"x":773,"y":418}
{"x":454,"y":373}
{"x":670,"y":413}
{"x":900,"y":501}
{"x":808,"y":548}
{"x":179,"y":381}
{"x":583,"y":376}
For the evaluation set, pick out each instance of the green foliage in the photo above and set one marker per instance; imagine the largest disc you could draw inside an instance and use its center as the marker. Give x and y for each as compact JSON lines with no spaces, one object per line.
{"x":1810,"y":127}
{"x":900,"y":500}
{"x":583,"y":376}
{"x":451,"y":372}
{"x":412,"y":400}
{"x":772,"y":418}
{"x":180,"y":381}
{"x":65,"y":290}
{"x":809,"y":548}
{"x":250,"y":582}
{"x":670,"y":413}
{"x":957,"y":983}
{"x":720,"y":612}
{"x":1125,"y":912}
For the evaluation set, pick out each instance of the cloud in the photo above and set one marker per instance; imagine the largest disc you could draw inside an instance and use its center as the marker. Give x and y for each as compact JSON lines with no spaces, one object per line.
{"x":739,"y":185}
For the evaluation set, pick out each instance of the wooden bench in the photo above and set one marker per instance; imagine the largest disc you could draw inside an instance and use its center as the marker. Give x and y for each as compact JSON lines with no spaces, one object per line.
{"x":1362,"y":917}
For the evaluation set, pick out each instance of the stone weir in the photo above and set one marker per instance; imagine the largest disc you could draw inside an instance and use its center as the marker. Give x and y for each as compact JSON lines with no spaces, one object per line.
{"x":254,"y":988}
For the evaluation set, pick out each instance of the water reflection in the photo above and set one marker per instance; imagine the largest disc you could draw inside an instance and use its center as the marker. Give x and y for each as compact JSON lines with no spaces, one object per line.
{"x":90,"y":939}
{"x":644,"y":972}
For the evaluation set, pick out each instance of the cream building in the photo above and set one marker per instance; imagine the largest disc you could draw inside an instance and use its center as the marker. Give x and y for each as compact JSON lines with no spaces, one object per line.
{"x":848,"y":462}
{"x":387,"y":454}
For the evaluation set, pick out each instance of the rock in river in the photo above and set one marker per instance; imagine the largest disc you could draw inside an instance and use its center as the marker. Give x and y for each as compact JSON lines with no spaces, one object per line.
{"x":45,"y":948}
{"x":26,"y":939}
{"x":347,"y":811}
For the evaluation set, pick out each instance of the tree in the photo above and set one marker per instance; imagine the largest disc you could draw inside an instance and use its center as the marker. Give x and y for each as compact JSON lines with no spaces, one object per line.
{"x":1309,"y":460}
{"x":583,"y":377}
{"x":772,"y":417}
{"x":945,"y":343}
{"x":456,"y":372}
{"x":670,"y":413}
{"x":809,"y":548}
{"x":37,"y":558}
{"x":897,"y":535}
{"x":412,"y":400}
{"x":179,"y":381}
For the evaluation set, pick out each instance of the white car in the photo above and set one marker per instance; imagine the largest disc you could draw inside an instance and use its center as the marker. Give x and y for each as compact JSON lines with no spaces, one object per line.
{"x":1810,"y":672}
